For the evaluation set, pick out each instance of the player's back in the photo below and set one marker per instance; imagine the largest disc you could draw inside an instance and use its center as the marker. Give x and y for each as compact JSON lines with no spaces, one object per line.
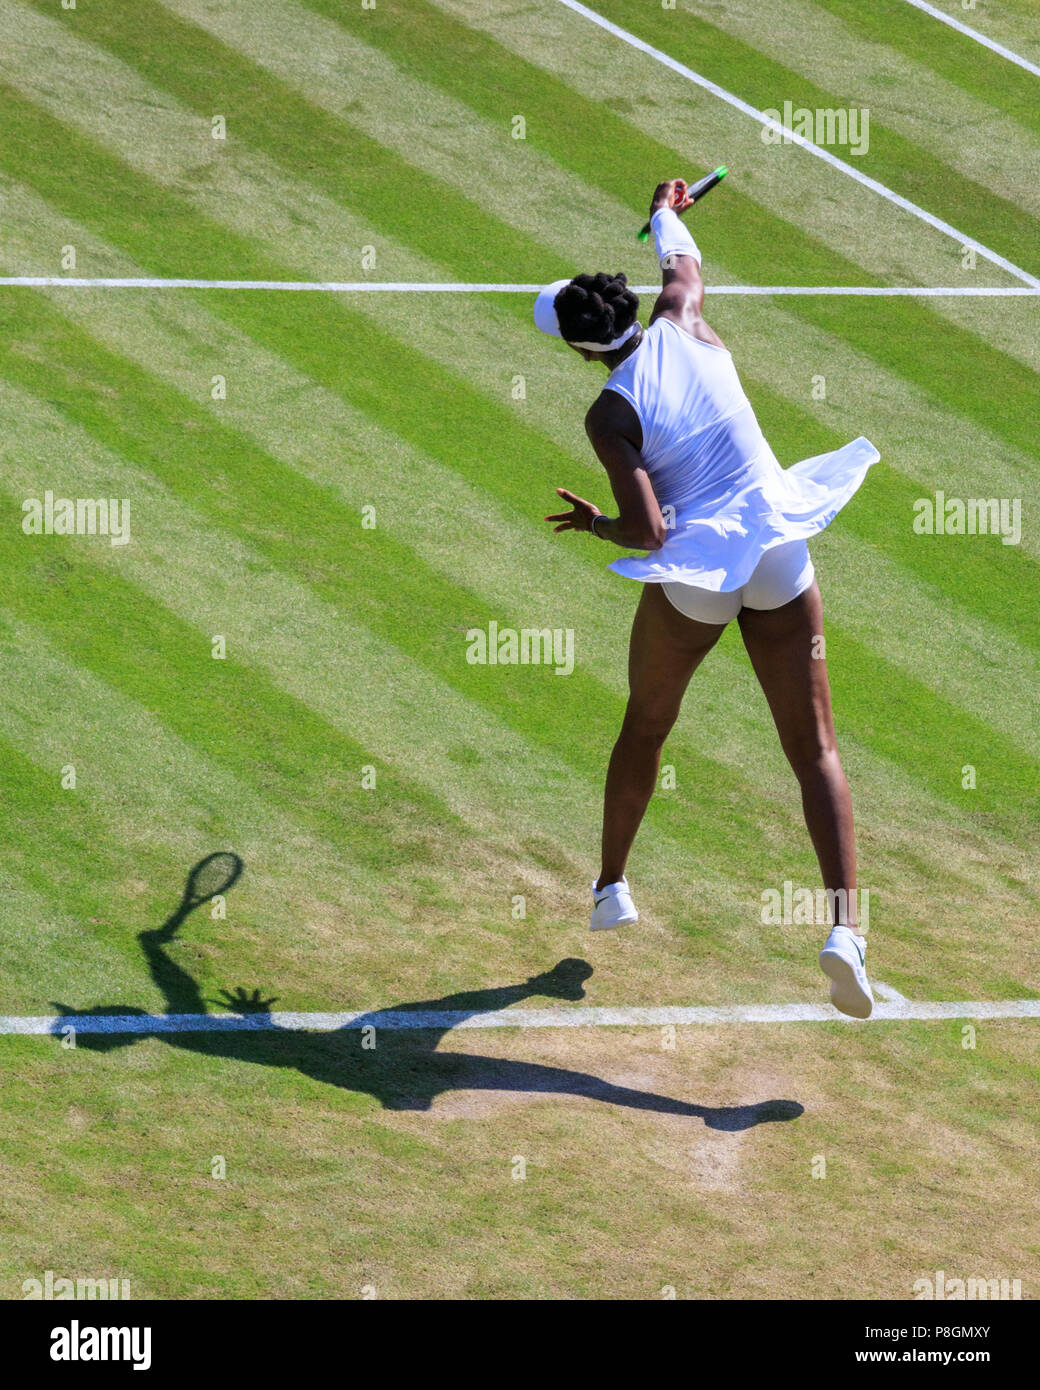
{"x":700,"y":433}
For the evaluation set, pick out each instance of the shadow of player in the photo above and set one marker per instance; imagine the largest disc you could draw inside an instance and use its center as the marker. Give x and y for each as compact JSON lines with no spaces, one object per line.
{"x":403,"y":1070}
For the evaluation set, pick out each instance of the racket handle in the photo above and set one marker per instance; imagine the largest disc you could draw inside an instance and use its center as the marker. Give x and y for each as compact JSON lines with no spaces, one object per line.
{"x":694,"y":192}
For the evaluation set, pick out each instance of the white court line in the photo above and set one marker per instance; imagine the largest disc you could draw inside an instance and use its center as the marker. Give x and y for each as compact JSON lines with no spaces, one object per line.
{"x":478,"y":287}
{"x":794,"y":138}
{"x":884,"y":291}
{"x":509,"y":1018}
{"x":974,"y":34}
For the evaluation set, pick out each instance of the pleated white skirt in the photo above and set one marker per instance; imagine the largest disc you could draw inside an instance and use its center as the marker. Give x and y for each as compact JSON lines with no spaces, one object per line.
{"x":719,"y":546}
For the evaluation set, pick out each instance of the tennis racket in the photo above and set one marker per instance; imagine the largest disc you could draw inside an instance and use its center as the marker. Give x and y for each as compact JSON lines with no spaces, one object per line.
{"x":694,"y":192}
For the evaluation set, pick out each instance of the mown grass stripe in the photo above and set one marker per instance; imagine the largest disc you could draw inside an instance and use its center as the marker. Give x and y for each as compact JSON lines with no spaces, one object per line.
{"x":976,"y":36}
{"x":90,"y":888}
{"x":828,"y":208}
{"x":114,"y":850}
{"x":160,"y":228}
{"x":145,"y":807}
{"x":380,"y":394}
{"x":314,"y":649}
{"x":457,"y":539}
{"x":343,"y":161}
{"x":50,"y":945}
{"x":520,"y":183}
{"x":36,"y":811}
{"x":545,"y":818}
{"x":941,"y":359}
{"x":986,"y":75}
{"x":980,"y":575}
{"x":997,"y":152}
{"x":414,"y":30}
{"x":527,"y":465}
{"x":440,"y":50}
{"x":228,"y":712}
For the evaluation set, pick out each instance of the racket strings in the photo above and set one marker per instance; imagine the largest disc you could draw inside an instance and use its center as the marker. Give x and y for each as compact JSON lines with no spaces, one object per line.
{"x":212,"y":876}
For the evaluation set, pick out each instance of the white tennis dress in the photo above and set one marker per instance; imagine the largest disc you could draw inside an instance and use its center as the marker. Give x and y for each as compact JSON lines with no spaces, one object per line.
{"x":707,"y":457}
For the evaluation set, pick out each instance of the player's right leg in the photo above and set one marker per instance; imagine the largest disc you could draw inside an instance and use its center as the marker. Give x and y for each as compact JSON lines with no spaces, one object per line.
{"x":784,"y":644}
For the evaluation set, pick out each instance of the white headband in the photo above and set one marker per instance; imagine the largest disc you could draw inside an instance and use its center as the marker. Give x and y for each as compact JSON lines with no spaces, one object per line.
{"x":546,"y":319}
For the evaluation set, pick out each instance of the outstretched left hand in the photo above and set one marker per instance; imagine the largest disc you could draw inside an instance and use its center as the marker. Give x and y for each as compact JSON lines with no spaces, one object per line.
{"x":240,"y":1001}
{"x":579,"y":518}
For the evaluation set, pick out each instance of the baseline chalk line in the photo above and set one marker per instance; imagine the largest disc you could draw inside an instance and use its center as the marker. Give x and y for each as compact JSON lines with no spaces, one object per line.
{"x":792,"y":137}
{"x":102,"y":282}
{"x":445,"y":1020}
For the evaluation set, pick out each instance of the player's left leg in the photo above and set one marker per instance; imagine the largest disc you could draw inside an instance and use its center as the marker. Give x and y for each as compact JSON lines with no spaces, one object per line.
{"x":666,"y":648}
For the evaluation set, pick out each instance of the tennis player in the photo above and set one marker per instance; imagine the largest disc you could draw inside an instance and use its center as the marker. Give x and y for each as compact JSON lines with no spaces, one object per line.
{"x":725,"y":527}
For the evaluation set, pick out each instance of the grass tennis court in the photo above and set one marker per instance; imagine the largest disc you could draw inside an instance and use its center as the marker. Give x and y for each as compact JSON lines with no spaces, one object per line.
{"x":341,"y":486}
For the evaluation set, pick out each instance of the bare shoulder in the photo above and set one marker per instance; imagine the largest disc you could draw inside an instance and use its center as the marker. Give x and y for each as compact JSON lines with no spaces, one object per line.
{"x":610,"y":415}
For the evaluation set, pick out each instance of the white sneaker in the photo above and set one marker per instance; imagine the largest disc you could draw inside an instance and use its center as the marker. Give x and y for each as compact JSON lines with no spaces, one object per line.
{"x":843,"y":961}
{"x":612,"y":906}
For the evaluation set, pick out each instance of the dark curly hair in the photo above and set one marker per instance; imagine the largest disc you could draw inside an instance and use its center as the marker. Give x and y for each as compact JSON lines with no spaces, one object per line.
{"x":596,"y":308}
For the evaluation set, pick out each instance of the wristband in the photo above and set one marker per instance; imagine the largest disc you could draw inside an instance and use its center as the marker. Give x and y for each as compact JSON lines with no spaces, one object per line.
{"x":592,"y":525}
{"x":672,"y":237}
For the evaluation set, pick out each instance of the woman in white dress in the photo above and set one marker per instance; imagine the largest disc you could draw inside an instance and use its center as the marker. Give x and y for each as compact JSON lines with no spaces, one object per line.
{"x":698,"y":487}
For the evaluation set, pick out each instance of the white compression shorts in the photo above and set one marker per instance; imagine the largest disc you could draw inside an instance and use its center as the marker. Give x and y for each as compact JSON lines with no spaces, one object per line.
{"x":780,"y":576}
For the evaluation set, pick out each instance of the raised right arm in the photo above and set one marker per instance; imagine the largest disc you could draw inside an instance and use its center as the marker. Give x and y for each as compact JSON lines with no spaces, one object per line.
{"x":682,"y":289}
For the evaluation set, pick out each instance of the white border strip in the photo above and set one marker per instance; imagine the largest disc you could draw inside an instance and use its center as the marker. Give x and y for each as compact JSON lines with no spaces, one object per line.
{"x":507,"y":1018}
{"x":974,"y":34}
{"x":37,"y":282}
{"x":883,"y":291}
{"x":794,"y":138}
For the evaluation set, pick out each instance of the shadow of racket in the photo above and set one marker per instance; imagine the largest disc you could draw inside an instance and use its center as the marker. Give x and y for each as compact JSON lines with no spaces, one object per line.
{"x":210,"y":878}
